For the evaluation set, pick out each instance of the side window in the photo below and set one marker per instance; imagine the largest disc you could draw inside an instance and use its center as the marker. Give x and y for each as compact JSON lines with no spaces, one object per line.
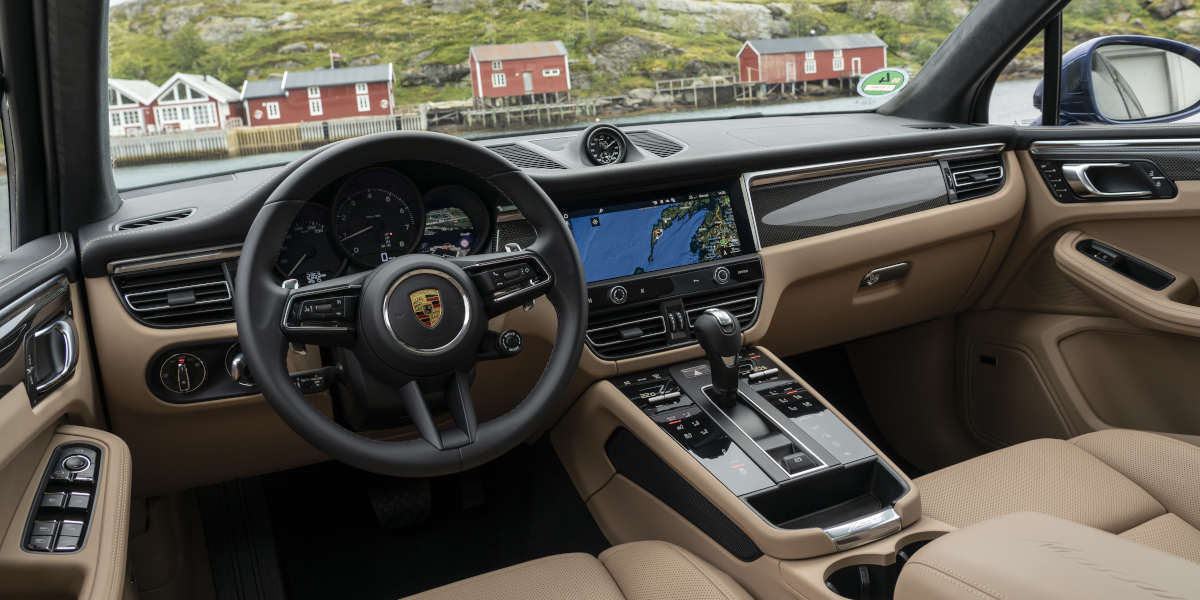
{"x":1138,"y":72}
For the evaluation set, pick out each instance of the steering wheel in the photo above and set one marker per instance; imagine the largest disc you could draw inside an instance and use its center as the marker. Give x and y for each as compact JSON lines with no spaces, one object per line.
{"x":415,"y":321}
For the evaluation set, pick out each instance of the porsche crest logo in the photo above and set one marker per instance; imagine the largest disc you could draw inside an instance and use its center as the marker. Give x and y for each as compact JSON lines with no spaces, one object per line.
{"x":427,"y":307}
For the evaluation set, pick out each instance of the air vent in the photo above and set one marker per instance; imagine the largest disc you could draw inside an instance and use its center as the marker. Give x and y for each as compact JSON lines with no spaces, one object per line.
{"x":654,"y":143}
{"x":628,"y":332}
{"x":976,"y":176}
{"x":159,"y":219}
{"x":180,"y":297}
{"x":524,"y":158}
{"x":740,"y":302}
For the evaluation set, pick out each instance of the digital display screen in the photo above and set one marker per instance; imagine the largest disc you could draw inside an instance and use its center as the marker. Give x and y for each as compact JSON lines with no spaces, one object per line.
{"x":651,"y":235}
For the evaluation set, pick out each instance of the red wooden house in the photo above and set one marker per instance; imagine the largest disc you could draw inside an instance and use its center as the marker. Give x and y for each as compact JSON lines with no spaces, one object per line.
{"x":319,"y":95}
{"x":129,"y":106}
{"x":536,"y":71}
{"x":814,"y":58}
{"x":189,"y":102}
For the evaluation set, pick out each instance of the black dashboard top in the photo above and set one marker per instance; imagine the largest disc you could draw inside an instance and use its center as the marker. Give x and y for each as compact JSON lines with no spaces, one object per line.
{"x":712,"y":150}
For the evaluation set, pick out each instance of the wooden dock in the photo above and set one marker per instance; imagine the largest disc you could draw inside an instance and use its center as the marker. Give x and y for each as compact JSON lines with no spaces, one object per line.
{"x":527,"y":113}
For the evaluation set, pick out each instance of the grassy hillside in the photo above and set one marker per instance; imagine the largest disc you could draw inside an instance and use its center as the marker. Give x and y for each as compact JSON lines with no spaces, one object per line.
{"x":621,"y":44}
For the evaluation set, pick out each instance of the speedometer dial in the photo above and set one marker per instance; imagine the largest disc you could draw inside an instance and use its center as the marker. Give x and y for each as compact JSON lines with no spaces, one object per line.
{"x":377,"y":216}
{"x":307,"y":253}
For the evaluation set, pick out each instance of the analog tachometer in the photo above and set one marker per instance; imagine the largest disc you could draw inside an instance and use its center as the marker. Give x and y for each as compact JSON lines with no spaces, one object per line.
{"x":307,"y":253}
{"x":377,"y":216}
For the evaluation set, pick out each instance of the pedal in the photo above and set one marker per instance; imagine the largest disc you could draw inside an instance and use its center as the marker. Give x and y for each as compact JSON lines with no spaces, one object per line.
{"x":400,"y":503}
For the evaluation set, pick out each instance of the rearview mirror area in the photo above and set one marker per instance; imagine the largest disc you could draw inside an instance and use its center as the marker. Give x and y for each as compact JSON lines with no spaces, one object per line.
{"x":1128,"y":79}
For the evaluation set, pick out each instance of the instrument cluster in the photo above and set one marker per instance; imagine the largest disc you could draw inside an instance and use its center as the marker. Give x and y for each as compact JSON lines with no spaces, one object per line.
{"x":378,"y":214}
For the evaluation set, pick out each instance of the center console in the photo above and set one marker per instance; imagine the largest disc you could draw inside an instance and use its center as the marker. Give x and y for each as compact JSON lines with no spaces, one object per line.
{"x":776,"y":447}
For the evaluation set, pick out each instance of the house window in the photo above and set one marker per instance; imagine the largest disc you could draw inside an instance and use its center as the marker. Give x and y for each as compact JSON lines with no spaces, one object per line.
{"x":808,"y":55}
{"x":115,"y":118}
{"x":839,"y":63}
{"x":499,"y":80}
{"x":169,"y":113}
{"x":181,"y":91}
{"x":203,"y":114}
{"x":133,"y":117}
{"x":364,"y":103}
{"x":551,"y":72}
{"x":272,"y":110}
{"x":837,"y":53}
{"x":314,"y":92}
{"x":810,"y":66}
{"x":360,"y":88}
{"x":314,"y":106}
{"x":497,"y":65}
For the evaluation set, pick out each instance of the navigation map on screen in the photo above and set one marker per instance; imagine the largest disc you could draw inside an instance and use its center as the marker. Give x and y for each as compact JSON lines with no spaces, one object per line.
{"x":656,"y":234}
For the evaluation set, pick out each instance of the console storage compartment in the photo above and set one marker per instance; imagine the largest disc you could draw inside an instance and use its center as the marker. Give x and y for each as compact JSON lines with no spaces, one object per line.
{"x":830,"y":497}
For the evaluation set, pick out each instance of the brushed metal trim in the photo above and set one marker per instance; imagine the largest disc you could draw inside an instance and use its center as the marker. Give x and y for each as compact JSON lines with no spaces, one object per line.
{"x":865,"y":529}
{"x":174,"y":259}
{"x":1051,"y":145}
{"x":759,"y":178}
{"x":779,"y":426}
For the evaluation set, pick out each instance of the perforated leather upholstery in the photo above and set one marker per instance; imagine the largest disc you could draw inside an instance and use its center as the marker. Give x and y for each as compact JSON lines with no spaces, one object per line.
{"x":634,"y":571}
{"x":1142,"y":486}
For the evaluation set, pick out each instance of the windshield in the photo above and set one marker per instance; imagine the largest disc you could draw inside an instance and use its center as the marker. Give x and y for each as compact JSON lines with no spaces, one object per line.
{"x":212,"y":86}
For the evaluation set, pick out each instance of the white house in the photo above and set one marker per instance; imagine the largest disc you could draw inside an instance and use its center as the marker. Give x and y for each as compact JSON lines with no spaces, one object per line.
{"x":129,"y":106}
{"x":189,"y":102}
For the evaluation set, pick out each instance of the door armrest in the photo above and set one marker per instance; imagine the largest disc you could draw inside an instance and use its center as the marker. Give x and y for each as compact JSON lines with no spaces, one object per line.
{"x":1168,"y":309}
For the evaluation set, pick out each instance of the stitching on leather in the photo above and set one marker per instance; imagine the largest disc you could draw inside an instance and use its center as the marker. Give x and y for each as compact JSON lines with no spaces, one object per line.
{"x":718,"y":586}
{"x":956,"y":581}
{"x":23,"y":271}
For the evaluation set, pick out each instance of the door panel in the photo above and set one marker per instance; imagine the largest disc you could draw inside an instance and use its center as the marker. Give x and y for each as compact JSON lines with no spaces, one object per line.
{"x":49,"y":398}
{"x":1103,"y":349}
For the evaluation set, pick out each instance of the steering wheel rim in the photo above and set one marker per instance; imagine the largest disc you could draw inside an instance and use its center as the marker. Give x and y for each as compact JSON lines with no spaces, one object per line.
{"x":264,"y":335}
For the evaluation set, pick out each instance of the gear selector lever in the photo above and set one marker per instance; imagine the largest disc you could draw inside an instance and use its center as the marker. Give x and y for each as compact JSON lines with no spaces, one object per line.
{"x":720,"y":335}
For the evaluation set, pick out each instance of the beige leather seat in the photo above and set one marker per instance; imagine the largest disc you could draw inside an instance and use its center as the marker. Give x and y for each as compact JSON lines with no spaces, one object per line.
{"x":1142,"y":486}
{"x":635,"y":571}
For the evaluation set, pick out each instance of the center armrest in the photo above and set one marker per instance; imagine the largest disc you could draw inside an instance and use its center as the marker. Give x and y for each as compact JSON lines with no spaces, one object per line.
{"x":1034,"y":556}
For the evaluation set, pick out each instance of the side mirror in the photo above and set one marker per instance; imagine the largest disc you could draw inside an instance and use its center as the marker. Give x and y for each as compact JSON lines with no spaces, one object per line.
{"x":1128,"y":79}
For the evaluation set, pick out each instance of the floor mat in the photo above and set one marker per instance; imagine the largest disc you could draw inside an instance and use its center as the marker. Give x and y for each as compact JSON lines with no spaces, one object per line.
{"x":331,"y":546}
{"x":829,"y":371}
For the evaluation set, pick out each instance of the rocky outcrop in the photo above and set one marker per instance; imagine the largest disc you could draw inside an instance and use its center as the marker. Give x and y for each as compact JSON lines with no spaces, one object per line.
{"x":223,"y":30}
{"x":294,"y":48}
{"x":369,"y":59}
{"x":735,"y":19}
{"x":453,"y":6}
{"x":1165,"y":9}
{"x":435,"y":74}
{"x":533,"y":5}
{"x":620,"y":56}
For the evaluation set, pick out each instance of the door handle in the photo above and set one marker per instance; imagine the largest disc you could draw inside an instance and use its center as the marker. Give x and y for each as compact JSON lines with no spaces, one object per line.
{"x":1077,"y":178}
{"x":62,"y":327}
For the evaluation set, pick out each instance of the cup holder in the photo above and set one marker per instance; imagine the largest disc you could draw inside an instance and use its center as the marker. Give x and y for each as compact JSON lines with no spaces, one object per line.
{"x":871,"y":582}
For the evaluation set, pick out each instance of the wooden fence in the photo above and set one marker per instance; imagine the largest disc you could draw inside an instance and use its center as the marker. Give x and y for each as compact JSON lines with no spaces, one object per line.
{"x":241,"y":141}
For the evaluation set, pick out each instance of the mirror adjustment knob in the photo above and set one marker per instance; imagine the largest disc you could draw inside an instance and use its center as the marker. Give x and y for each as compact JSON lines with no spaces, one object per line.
{"x":75,"y":462}
{"x":617,"y":294}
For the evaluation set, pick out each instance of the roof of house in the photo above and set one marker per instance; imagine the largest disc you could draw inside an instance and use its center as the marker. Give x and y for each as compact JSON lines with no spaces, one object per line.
{"x":518,"y":51}
{"x":138,"y":89}
{"x":342,"y":76}
{"x":262,"y":89}
{"x":812,"y":43}
{"x":211,"y":86}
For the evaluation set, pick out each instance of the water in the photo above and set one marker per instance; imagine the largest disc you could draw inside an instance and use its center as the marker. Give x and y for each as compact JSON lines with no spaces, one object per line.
{"x":1012,"y":103}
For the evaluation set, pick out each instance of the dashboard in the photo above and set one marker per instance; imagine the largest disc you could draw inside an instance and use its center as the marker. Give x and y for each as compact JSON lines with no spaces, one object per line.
{"x":373,"y":215}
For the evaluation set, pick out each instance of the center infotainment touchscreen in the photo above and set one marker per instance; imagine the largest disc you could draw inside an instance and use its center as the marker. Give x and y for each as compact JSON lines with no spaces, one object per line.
{"x":656,"y":234}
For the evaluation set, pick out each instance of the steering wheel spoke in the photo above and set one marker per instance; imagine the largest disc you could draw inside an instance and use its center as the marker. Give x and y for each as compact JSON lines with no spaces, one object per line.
{"x":323,"y":314}
{"x":507,"y":280}
{"x":458,"y":399}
